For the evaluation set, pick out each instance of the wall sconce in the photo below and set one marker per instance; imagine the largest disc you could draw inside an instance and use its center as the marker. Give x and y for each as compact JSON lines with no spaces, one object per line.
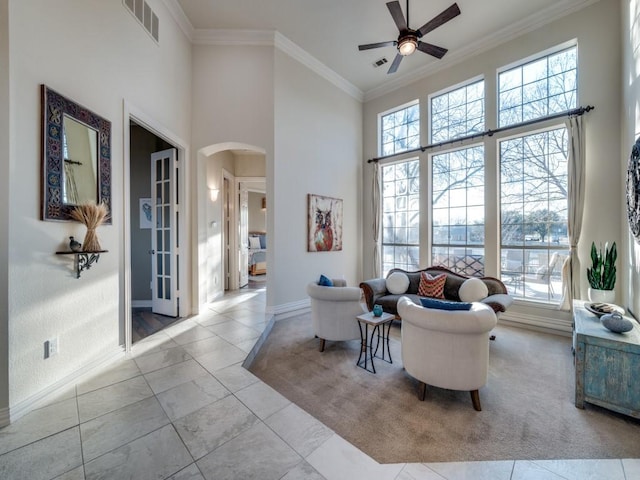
{"x":213,"y":194}
{"x":264,"y":204}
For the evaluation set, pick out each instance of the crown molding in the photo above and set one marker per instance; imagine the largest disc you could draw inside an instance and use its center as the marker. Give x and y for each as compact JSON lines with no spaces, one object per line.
{"x":297,"y":53}
{"x":496,"y":39}
{"x":180,"y":18}
{"x":230,"y":37}
{"x":260,"y":38}
{"x":274,"y":38}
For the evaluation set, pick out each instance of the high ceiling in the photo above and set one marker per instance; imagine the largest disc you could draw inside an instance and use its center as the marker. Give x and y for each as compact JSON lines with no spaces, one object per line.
{"x":331,"y":30}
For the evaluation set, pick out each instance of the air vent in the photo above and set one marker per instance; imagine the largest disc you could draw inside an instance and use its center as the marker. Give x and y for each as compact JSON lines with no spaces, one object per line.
{"x":147,"y":17}
{"x":379,"y":63}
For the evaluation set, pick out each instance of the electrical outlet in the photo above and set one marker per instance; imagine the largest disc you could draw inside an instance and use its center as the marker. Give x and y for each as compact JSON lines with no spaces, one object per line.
{"x":51,"y":347}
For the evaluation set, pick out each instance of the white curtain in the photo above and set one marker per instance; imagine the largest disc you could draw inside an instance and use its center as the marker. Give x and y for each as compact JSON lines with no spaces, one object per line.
{"x":575,"y":187}
{"x":376,"y":194}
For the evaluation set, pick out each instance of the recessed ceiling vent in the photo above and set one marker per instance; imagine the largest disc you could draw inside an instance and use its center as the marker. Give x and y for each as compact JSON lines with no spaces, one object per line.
{"x":147,"y":17}
{"x":379,"y":63}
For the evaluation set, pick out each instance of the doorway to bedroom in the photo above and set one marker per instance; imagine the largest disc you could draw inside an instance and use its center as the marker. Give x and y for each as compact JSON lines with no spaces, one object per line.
{"x":253,"y":232}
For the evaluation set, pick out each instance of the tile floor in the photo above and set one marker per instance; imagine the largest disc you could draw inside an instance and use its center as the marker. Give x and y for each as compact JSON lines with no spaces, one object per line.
{"x":182,"y":407}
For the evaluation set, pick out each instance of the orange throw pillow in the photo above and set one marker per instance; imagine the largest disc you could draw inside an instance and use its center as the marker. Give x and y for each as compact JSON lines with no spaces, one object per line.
{"x":432,"y":286}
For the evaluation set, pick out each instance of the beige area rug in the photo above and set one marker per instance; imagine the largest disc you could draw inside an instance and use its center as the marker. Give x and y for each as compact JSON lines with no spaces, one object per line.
{"x":527,"y":404}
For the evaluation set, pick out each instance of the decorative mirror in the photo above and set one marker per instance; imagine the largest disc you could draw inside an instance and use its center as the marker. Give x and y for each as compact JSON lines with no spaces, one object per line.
{"x":633,"y":191}
{"x":76,"y":157}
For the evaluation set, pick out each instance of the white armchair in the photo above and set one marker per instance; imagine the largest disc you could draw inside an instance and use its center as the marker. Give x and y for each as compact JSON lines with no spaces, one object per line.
{"x":447,"y":349}
{"x":334,"y":310}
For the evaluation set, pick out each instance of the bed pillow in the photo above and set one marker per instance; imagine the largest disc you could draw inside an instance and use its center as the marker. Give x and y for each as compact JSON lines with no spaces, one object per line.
{"x":444,"y":304}
{"x":397,"y":283}
{"x":432,"y":286}
{"x":263,"y":241}
{"x":472,"y":290}
{"x":254,"y":243}
{"x":325,"y":281}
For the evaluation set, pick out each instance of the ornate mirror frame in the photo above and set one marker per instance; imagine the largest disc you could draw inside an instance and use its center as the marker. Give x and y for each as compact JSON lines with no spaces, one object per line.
{"x":633,"y":191}
{"x":54,"y":108}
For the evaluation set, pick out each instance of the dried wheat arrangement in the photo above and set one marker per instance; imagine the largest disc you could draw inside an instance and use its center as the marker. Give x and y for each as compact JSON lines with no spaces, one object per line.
{"x":92,"y":215}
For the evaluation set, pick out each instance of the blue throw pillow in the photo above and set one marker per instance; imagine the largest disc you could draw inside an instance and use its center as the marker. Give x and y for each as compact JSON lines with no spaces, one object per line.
{"x":263,"y":241}
{"x":325,"y":281}
{"x":444,"y":304}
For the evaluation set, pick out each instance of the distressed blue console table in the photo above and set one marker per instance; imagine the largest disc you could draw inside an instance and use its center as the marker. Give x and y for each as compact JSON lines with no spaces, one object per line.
{"x":607,"y":364}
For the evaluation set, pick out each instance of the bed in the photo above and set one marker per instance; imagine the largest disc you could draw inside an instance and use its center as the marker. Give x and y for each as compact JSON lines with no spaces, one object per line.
{"x":257,"y":253}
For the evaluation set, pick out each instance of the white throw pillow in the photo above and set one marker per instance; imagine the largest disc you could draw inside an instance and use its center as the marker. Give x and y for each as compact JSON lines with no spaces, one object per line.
{"x":472,"y":290}
{"x":397,"y":283}
{"x":254,"y":242}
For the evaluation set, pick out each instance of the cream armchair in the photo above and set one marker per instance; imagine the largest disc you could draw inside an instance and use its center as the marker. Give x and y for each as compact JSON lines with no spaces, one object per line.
{"x":447,"y":349}
{"x":334,"y":310}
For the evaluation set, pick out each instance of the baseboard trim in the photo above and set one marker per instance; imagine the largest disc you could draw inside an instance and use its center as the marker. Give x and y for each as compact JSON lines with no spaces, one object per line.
{"x":52,"y":392}
{"x":258,"y":345}
{"x":292,"y":309}
{"x":537,"y":323}
{"x":141,"y":304}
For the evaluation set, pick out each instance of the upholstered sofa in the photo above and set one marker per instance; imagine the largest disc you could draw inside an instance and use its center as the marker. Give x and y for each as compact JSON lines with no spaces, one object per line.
{"x":375,"y":290}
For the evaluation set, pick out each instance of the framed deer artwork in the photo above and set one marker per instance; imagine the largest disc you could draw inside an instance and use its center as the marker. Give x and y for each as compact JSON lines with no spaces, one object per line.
{"x":324,"y":223}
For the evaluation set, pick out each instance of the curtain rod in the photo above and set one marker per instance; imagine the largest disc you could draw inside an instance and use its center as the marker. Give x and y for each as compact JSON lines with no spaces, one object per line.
{"x":576,"y":112}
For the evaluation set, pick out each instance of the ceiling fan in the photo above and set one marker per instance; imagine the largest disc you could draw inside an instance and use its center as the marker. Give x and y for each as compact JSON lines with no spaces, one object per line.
{"x":409,"y":39}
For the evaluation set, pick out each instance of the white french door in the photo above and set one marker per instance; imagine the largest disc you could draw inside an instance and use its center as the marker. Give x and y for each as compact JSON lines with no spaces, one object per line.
{"x":243,"y":240}
{"x":165,"y":246}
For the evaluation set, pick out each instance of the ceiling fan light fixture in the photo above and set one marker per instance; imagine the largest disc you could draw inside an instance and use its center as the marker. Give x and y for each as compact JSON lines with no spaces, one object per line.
{"x":407,"y":45}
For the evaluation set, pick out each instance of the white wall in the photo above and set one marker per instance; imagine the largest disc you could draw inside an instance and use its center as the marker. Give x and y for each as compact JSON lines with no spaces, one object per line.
{"x":318,"y":135}
{"x":597,"y":31}
{"x":240,"y":94}
{"x":257,"y":216}
{"x":630,"y":252}
{"x":96,"y":53}
{"x":232,"y":96}
{"x":5,"y":190}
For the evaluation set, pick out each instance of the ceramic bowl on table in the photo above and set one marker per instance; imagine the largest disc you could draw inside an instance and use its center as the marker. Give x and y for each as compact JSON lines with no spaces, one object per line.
{"x":616,"y":322}
{"x":601,"y":309}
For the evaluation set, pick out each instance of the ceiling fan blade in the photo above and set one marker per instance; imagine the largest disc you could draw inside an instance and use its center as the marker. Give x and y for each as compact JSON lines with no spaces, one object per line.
{"x":396,"y":63}
{"x":451,"y":12}
{"x":369,"y":46}
{"x":433,"y":50}
{"x":398,"y":16}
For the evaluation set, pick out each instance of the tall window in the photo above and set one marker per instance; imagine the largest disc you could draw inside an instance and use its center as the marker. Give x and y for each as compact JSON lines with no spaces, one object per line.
{"x":533,"y":175}
{"x":458,"y":112}
{"x":458,"y":181}
{"x":533,"y":198}
{"x":400,"y":216}
{"x":400,"y":130}
{"x":538,"y":88}
{"x":529,"y":186}
{"x":458,"y":211}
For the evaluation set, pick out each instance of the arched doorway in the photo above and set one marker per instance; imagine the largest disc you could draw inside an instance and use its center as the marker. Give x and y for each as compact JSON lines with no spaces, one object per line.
{"x":220,"y":168}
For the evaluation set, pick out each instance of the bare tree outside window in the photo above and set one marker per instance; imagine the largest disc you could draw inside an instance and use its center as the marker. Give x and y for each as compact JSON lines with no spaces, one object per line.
{"x":532,"y":168}
{"x":401,"y":216}
{"x":538,"y":88}
{"x":458,"y":211}
{"x":400,"y":131}
{"x":533,"y":199}
{"x":458,"y":182}
{"x":533,"y":175}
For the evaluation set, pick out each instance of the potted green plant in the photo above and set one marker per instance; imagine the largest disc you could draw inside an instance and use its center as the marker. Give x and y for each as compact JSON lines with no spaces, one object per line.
{"x":602,"y":274}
